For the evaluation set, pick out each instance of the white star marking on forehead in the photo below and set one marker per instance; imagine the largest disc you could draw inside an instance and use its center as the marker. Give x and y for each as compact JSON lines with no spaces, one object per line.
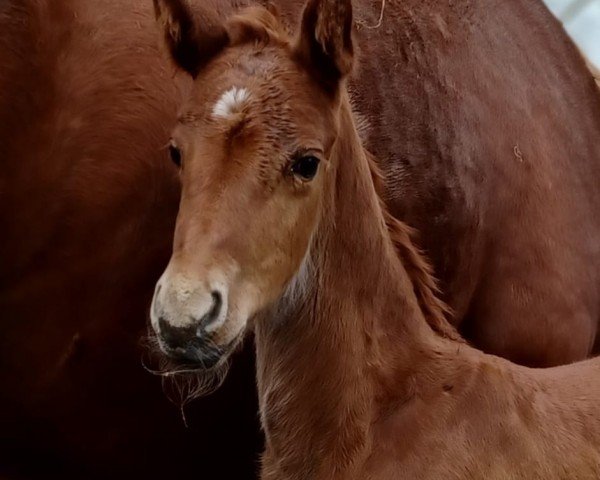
{"x":231,"y":102}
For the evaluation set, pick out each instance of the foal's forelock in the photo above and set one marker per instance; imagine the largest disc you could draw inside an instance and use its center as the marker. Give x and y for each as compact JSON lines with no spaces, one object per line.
{"x":257,"y":24}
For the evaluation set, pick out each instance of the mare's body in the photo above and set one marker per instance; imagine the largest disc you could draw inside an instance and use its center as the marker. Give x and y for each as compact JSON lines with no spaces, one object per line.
{"x":495,"y":159}
{"x":87,"y":207}
{"x":88,"y":202}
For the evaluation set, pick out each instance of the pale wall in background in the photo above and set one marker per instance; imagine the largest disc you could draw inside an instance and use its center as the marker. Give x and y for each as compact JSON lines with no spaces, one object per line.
{"x":581,"y":19}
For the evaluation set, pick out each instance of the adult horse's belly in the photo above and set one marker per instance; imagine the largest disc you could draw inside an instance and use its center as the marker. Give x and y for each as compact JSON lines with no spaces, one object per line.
{"x":88,"y":202}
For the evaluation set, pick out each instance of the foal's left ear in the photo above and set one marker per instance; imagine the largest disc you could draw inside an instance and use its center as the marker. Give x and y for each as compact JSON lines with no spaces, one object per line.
{"x":326,"y":45}
{"x":193,"y":36}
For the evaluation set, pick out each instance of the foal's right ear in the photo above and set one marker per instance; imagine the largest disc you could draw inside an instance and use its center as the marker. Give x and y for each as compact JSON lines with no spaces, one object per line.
{"x":192,"y":36}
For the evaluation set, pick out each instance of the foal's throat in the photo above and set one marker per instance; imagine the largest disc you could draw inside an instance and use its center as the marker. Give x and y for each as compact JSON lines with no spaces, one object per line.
{"x":321,"y":357}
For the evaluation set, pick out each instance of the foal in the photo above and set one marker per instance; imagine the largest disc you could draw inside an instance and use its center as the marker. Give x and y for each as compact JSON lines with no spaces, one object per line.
{"x":280,"y":226}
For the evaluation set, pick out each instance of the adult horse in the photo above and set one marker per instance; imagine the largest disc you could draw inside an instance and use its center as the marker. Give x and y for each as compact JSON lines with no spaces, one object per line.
{"x":87,"y":207}
{"x":354,"y":383}
{"x":88,"y":203}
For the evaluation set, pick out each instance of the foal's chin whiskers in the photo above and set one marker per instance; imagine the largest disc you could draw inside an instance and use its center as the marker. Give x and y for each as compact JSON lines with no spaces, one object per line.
{"x":172,"y":371}
{"x":183,"y":383}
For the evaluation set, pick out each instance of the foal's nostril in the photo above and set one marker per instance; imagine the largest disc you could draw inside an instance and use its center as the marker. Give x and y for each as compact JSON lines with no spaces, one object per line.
{"x":214,"y":311}
{"x":217,"y":302}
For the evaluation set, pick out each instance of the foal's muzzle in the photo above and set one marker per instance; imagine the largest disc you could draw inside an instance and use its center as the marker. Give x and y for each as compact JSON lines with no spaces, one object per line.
{"x":187,"y":344}
{"x":184,"y":323}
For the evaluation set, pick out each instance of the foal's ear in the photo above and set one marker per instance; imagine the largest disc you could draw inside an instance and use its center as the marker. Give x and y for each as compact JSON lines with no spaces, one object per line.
{"x":192,"y":36}
{"x":326,"y":45}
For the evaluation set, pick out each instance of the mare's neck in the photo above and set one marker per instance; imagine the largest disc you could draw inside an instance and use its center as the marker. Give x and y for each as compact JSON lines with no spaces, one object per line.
{"x":343,"y":342}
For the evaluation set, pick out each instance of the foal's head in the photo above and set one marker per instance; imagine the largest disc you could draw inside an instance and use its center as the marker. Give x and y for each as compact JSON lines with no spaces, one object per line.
{"x":253,"y":145}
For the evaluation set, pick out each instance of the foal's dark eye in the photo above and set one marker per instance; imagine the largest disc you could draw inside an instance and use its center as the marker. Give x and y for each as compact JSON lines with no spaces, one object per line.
{"x":175,"y":155}
{"x":306,"y":167}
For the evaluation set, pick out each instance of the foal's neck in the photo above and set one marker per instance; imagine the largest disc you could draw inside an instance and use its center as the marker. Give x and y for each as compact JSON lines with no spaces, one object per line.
{"x":342,"y":343}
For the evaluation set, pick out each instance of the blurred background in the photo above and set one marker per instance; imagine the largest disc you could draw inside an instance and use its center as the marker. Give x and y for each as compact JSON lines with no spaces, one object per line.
{"x":581,"y":19}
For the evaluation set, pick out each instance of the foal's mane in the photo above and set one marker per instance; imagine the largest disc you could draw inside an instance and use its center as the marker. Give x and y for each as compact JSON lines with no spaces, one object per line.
{"x":260,"y":24}
{"x":420,"y":271}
